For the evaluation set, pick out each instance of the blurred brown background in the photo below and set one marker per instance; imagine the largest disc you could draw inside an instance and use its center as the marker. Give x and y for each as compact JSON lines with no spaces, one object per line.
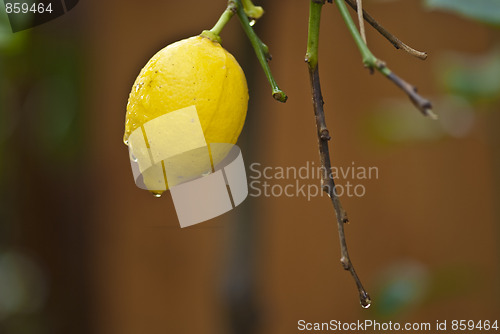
{"x":83,"y":250}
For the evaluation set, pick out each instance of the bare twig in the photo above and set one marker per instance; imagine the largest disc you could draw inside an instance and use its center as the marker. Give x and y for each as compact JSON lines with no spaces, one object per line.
{"x":359,"y":4}
{"x":398,"y":44}
{"x":421,"y":103}
{"x":327,"y":181}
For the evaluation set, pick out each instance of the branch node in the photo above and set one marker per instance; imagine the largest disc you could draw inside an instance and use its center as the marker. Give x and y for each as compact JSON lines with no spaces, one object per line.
{"x":232,"y":6}
{"x":380,"y":64}
{"x":265,"y":49}
{"x":325,"y":134}
{"x":346,"y":264}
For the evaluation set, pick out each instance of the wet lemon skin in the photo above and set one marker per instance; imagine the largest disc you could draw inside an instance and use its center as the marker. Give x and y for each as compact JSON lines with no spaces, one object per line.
{"x":194,"y":71}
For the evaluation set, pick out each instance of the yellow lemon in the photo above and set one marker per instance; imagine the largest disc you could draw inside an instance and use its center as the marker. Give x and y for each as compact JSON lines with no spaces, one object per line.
{"x":194,"y":71}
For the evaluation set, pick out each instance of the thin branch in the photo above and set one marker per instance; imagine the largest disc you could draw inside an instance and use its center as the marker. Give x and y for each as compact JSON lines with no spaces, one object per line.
{"x":370,"y":61}
{"x":398,"y":44}
{"x":261,"y":50}
{"x":359,"y":4}
{"x":418,"y":101}
{"x":327,"y":181}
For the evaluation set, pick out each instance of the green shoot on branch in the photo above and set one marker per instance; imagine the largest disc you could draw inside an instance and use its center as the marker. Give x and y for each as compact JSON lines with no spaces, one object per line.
{"x":370,"y":61}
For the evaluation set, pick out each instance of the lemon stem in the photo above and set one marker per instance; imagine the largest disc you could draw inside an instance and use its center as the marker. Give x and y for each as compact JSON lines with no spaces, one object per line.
{"x":214,"y":33}
{"x":261,"y":50}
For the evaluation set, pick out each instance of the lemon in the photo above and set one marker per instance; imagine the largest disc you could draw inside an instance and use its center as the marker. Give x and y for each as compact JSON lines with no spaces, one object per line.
{"x":194,"y":71}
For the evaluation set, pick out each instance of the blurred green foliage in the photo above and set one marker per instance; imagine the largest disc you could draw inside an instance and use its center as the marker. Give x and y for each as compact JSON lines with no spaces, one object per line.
{"x":9,"y":42}
{"x":401,"y":287}
{"x":22,"y":285}
{"x":486,"y":11}
{"x":404,"y":286}
{"x":395,"y":122}
{"x":475,"y":78}
{"x":41,"y":145}
{"x":468,"y":83}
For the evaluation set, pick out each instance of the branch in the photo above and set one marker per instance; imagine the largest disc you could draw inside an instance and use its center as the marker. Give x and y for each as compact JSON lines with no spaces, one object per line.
{"x":327,"y":182}
{"x":398,"y":44}
{"x":370,"y":61}
{"x":261,"y":50}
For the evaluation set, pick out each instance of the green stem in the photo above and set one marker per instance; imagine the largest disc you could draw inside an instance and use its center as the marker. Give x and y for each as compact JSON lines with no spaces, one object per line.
{"x":260,"y":49}
{"x":225,"y":17}
{"x":214,"y":33}
{"x":313,"y":34}
{"x":370,"y":61}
